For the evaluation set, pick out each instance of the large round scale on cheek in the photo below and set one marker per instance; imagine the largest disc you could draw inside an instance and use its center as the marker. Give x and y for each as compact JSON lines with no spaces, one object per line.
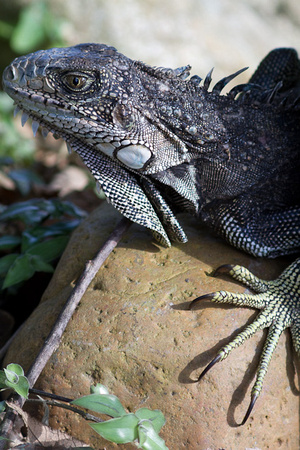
{"x":134,"y":156}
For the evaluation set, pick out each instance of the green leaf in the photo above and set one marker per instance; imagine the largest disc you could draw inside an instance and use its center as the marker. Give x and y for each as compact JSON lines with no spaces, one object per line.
{"x":21,"y":387}
{"x":104,"y":404}
{"x":155,"y":416}
{"x":30,"y":212}
{"x":29,"y":32}
{"x":24,"y":179}
{"x":6,"y":262}
{"x":20,"y":270}
{"x":28,"y":238}
{"x":40,"y":233}
{"x":39,"y":265}
{"x":99,"y":389}
{"x":36,"y":210}
{"x":17,"y":210}
{"x":121,"y":430}
{"x":50,"y":249}
{"x":8,"y":242}
{"x":149,"y":439}
{"x":11,"y":376}
{"x":24,"y":268}
{"x":6,"y":29}
{"x":15,"y":368}
{"x":14,"y":379}
{"x":69,"y":209}
{"x":3,"y":380}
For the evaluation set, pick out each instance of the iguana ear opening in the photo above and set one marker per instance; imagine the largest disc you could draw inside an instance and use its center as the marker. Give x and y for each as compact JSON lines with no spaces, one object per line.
{"x":122,"y":116}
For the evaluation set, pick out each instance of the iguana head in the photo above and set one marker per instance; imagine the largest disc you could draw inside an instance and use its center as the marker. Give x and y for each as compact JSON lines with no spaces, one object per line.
{"x":100,"y":102}
{"x":95,"y":93}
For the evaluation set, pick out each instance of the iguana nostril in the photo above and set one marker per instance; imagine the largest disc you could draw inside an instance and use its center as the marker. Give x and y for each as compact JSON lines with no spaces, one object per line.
{"x":10,"y":73}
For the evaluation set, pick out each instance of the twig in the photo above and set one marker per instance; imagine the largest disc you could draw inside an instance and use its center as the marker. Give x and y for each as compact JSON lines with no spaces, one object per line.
{"x":85,"y":415}
{"x":50,"y":395}
{"x":52,"y":341}
{"x":92,"y":267}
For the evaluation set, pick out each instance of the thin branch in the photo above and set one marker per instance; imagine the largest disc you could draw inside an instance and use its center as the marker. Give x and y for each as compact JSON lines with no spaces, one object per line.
{"x":53,"y":340}
{"x":92,"y":267}
{"x":85,"y":415}
{"x":59,"y":398}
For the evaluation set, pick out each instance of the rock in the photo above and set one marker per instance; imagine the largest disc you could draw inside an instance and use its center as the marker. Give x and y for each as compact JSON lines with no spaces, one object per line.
{"x":210,"y":33}
{"x":133,"y":333}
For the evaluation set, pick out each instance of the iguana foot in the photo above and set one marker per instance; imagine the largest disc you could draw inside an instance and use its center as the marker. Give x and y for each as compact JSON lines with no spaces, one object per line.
{"x":279,"y":302}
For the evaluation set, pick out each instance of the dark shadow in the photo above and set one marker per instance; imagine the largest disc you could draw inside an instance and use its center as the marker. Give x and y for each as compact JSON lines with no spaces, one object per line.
{"x":203,"y":304}
{"x":184,"y":306}
{"x":292,"y":365}
{"x":293,"y":368}
{"x":241,"y":391}
{"x":204,"y":358}
{"x":296,"y":370}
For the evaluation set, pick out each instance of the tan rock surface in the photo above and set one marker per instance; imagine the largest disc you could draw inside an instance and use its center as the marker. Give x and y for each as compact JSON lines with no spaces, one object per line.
{"x":133,"y":333}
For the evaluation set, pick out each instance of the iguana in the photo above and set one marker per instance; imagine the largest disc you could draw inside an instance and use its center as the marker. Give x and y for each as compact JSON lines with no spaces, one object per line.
{"x":159,"y":141}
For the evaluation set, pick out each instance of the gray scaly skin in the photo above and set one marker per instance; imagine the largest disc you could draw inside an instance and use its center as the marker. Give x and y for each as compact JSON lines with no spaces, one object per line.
{"x":160,"y":142}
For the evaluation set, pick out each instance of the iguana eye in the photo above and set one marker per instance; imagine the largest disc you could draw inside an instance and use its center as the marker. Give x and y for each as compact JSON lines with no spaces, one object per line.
{"x":77,"y":81}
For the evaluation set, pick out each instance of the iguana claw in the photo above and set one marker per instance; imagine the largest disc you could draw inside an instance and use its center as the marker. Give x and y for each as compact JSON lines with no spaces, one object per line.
{"x":279,"y":302}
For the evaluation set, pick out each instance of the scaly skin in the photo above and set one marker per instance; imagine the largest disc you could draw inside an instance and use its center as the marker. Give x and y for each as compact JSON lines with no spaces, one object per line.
{"x":159,"y":142}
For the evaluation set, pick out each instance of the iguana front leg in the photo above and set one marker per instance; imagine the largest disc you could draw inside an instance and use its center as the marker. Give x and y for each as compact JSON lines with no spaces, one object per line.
{"x":279,"y":302}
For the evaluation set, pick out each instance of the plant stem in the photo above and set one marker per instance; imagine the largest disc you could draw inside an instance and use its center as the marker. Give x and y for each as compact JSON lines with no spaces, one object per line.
{"x":86,"y":416}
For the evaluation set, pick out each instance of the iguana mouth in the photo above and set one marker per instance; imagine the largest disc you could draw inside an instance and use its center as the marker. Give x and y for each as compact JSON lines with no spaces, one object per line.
{"x":132,"y":154}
